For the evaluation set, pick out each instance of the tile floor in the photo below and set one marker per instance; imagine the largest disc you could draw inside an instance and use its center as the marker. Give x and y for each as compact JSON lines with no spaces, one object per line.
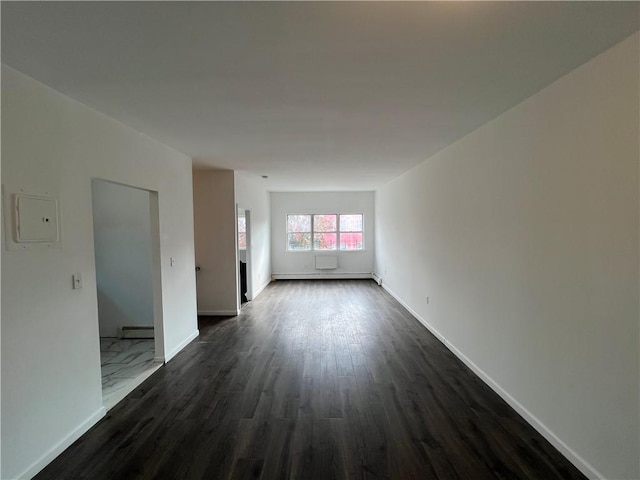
{"x":126,"y":363}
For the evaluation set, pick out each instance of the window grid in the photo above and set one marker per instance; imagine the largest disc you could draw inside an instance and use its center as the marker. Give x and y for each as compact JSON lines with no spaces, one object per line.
{"x":325,"y":232}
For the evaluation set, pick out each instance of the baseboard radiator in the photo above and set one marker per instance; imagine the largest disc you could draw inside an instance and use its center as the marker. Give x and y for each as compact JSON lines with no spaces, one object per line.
{"x":326,"y":262}
{"x":136,"y":332}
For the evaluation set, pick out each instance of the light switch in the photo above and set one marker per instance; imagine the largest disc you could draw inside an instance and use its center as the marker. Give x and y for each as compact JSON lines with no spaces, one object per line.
{"x":77,"y":280}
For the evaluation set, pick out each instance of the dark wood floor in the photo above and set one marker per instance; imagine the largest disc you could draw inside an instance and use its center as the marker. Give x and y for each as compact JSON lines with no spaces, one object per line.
{"x":315,"y":379}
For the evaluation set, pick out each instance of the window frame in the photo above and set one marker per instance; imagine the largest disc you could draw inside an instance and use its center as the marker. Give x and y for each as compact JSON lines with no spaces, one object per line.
{"x":340,"y":232}
{"x":288,"y":233}
{"x":313,"y":232}
{"x":240,"y":247}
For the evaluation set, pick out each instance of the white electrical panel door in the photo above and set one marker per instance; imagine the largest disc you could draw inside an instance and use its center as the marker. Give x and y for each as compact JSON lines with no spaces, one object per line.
{"x":36,"y":219}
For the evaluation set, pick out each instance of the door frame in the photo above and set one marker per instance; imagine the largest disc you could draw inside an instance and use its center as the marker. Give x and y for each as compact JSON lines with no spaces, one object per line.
{"x":156,"y":266}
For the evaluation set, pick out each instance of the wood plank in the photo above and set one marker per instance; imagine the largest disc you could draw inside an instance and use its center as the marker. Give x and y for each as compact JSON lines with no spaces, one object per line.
{"x":313,"y":380}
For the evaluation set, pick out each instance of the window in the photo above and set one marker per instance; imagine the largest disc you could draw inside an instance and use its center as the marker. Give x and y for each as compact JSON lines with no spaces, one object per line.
{"x":242,"y":233}
{"x":351,"y":232}
{"x":298,"y":232}
{"x":322,"y":232}
{"x":325,"y":232}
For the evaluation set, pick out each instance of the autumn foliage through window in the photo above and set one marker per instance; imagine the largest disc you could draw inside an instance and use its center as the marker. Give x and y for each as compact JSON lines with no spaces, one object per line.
{"x":325,"y":232}
{"x":242,"y":233}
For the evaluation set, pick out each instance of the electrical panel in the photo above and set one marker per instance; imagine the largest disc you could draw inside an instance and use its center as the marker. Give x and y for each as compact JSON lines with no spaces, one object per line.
{"x":36,"y":219}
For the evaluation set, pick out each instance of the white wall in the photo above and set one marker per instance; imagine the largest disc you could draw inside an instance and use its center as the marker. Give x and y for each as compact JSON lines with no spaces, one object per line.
{"x":122,"y":240}
{"x":253,"y":196}
{"x":51,"y":386}
{"x":215,"y":241}
{"x":302,"y":264}
{"x":524,"y":236}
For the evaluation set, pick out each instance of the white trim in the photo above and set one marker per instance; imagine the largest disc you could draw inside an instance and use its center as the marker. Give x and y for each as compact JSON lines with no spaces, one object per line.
{"x":259,"y":290}
{"x":181,"y":345}
{"x":63,"y":444}
{"x":377,"y":279}
{"x":319,"y":276}
{"x":219,"y":313}
{"x":585,"y":467}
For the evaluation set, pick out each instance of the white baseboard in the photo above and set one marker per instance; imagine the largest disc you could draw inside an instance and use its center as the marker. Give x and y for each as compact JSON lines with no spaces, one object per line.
{"x":219,"y":313}
{"x":581,"y":464}
{"x":259,"y":290}
{"x":377,"y":279}
{"x":181,"y":345}
{"x":61,"y":446}
{"x":320,"y":276}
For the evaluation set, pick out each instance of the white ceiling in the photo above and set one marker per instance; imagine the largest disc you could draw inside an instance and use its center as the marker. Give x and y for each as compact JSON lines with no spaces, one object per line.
{"x":319,"y":96}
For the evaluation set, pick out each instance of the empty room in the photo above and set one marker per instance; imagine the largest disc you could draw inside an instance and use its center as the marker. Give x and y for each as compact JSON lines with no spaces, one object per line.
{"x":327,"y":240}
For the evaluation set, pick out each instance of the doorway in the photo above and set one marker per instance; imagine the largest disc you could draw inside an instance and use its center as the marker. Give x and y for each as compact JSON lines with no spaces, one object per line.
{"x":244,"y":256}
{"x":126,"y":244}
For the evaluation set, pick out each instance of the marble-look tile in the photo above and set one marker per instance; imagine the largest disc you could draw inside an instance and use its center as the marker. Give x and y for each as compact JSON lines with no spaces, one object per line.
{"x":143,"y":358}
{"x":118,"y":388}
{"x":111,"y":344}
{"x":105,"y":356}
{"x":132,"y":354}
{"x":125,"y":364}
{"x":109,"y":369}
{"x":112,"y":384}
{"x":128,"y":370}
